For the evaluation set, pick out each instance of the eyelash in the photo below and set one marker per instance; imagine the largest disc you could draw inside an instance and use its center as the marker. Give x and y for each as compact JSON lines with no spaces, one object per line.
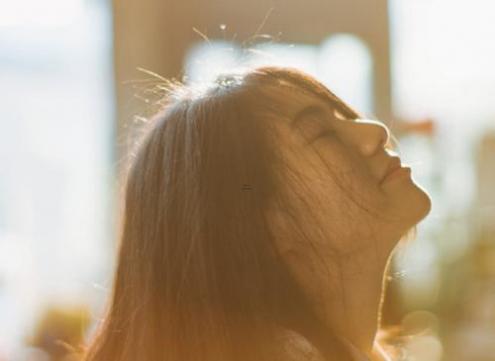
{"x":325,"y":134}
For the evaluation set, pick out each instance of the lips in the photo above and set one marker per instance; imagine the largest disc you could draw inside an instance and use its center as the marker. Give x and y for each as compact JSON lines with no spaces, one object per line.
{"x":393,"y":165}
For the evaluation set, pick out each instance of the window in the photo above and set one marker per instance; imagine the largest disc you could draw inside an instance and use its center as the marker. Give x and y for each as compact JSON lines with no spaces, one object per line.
{"x":342,"y":62}
{"x":56,"y":139}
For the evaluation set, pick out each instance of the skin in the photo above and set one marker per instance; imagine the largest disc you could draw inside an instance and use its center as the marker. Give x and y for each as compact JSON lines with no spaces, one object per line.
{"x":344,"y":272}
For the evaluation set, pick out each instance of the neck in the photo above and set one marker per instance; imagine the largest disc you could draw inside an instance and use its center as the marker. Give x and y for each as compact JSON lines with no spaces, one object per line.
{"x":354,"y":313}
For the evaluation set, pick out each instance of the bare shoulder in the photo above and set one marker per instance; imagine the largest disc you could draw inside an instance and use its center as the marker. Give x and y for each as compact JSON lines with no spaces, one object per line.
{"x":298,"y":348}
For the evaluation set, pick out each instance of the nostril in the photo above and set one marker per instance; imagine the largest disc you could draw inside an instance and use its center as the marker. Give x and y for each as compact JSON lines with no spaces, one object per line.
{"x":370,"y":135}
{"x":378,"y":137}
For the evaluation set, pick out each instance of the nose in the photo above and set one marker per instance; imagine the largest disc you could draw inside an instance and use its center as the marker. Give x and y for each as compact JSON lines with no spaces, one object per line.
{"x":370,"y":136}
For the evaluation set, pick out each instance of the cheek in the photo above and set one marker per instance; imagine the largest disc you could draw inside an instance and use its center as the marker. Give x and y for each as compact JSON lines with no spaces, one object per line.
{"x":337,"y":204}
{"x":346,"y":213}
{"x":354,"y":186}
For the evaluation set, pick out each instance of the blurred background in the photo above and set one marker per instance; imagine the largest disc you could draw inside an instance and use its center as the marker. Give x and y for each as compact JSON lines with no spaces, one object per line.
{"x":77,"y":77}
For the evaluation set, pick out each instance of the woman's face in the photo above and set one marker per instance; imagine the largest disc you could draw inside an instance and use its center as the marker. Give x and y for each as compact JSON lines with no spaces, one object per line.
{"x":359,"y":189}
{"x":350,"y":200}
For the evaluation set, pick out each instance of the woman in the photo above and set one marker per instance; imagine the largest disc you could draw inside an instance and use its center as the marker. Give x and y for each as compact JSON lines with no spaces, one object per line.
{"x":260,"y":214}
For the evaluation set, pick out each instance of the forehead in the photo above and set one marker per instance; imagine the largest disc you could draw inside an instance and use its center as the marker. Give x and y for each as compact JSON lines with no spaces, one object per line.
{"x":300,"y":102}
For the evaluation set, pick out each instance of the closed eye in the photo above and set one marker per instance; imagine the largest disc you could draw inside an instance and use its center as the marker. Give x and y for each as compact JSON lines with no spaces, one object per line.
{"x":325,"y":134}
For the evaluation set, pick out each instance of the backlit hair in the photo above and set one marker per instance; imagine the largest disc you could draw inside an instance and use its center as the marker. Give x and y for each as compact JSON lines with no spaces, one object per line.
{"x":199,"y":276}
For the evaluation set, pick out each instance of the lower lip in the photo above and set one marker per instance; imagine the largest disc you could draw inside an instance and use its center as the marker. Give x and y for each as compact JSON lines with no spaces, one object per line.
{"x":397,"y":173}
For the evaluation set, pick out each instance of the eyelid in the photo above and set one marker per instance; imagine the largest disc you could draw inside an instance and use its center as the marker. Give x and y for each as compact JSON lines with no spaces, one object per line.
{"x":314,"y":123}
{"x":324,"y":134}
{"x":311,"y":111}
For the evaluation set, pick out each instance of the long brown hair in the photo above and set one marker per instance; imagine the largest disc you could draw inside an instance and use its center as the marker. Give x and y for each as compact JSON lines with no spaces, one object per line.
{"x":199,"y":276}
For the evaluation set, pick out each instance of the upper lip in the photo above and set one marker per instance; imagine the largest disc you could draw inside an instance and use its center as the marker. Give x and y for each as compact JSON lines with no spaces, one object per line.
{"x":392,"y":165}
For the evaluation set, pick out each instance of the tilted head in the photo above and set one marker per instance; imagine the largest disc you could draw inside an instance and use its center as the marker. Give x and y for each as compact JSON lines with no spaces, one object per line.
{"x":232,"y":188}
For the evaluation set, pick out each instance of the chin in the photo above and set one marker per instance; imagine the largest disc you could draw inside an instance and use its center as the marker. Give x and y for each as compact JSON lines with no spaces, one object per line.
{"x":418,"y":205}
{"x":411,"y":204}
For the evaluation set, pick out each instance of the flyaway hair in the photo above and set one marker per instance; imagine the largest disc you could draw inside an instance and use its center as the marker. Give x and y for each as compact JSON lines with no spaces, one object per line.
{"x":198,"y":275}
